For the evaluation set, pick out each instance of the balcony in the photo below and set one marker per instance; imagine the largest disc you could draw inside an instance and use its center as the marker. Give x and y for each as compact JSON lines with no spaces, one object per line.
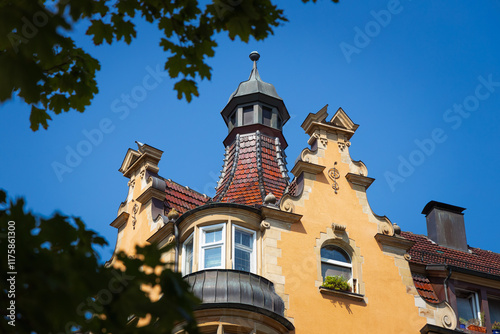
{"x":238,"y":290}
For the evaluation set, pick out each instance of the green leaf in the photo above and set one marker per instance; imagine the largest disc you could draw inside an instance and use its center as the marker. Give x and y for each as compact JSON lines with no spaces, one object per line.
{"x":188,"y":88}
{"x":39,"y":117}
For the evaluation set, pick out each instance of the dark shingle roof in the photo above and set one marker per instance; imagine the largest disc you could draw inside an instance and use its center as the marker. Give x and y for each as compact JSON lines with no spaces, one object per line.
{"x":425,"y":251}
{"x":182,"y":198}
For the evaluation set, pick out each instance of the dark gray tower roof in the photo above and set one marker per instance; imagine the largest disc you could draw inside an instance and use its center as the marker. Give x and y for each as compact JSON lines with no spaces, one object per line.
{"x":255,"y":90}
{"x":254,"y":84}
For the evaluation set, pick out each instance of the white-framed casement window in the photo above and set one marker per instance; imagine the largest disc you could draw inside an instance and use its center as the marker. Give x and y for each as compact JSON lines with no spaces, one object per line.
{"x":212,"y":246}
{"x":468,"y":305}
{"x":335,"y":261}
{"x":187,"y":255}
{"x":244,"y":254}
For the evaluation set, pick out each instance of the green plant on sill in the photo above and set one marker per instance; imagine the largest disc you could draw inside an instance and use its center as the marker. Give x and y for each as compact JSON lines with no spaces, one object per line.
{"x":463,"y":321}
{"x":495,"y":325}
{"x":337,"y":282}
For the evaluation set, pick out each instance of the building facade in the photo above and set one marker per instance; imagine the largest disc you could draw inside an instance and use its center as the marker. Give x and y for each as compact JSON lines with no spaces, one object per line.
{"x":257,"y":253}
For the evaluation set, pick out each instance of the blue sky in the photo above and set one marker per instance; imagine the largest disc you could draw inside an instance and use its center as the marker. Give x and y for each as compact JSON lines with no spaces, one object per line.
{"x":422,"y":79}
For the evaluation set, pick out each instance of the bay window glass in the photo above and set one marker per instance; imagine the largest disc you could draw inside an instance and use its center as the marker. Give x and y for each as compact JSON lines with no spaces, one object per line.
{"x":212,"y":246}
{"x":243,"y":249}
{"x":187,"y":254}
{"x":335,"y":261}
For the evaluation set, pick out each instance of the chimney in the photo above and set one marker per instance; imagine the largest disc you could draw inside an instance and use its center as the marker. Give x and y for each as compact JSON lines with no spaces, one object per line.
{"x":445,"y":225}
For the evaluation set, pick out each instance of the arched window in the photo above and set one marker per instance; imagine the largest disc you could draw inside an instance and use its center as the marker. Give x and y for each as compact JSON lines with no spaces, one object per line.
{"x":335,"y":261}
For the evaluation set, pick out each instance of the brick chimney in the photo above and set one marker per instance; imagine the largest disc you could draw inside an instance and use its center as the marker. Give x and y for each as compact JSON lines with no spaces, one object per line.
{"x":445,"y":225}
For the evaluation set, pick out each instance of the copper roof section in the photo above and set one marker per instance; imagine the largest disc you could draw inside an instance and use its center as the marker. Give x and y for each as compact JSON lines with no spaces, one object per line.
{"x":254,"y":165}
{"x":426,"y":252}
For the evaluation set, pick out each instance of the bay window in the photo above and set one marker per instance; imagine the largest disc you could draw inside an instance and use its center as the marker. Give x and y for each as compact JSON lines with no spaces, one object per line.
{"x":187,"y":255}
{"x":212,"y":246}
{"x":243,"y":249}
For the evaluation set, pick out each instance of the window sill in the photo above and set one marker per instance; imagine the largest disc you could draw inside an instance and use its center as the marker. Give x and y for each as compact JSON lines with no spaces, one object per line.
{"x":341,"y":294}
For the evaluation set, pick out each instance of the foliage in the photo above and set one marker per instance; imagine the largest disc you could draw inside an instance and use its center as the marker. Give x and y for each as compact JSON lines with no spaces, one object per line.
{"x":45,"y":67}
{"x":495,"y":325}
{"x":60,"y":286}
{"x":337,"y":282}
{"x":463,"y":321}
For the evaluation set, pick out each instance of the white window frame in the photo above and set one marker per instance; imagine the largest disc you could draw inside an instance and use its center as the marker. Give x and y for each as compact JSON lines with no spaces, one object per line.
{"x":476,"y":306}
{"x":203,"y":246}
{"x":253,"y":255}
{"x":184,"y":264}
{"x":339,"y":263}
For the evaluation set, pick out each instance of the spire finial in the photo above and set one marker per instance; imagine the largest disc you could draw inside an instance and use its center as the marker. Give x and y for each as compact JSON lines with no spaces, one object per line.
{"x":254,"y":56}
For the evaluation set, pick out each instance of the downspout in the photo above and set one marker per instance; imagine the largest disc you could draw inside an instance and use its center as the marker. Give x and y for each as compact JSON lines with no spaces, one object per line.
{"x":445,"y":283}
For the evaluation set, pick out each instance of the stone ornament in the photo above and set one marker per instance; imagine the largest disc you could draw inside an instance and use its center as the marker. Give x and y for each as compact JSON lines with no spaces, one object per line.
{"x":334,"y":174}
{"x":265,"y":225}
{"x":134,"y":215}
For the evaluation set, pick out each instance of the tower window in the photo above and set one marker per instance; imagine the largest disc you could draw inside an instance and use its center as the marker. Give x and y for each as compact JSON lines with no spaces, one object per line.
{"x":248,"y":115}
{"x":267,"y":114}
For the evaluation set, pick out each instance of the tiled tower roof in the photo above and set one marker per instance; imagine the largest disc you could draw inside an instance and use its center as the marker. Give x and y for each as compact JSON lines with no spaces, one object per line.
{"x":254,"y":165}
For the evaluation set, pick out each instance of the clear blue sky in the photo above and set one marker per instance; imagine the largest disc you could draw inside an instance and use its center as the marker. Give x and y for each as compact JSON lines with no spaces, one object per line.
{"x":403,"y":78}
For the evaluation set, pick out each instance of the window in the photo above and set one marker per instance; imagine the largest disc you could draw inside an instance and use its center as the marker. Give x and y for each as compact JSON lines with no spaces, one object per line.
{"x":212,"y":252}
{"x":232,"y":119}
{"x":248,"y":115}
{"x":267,"y":114}
{"x":494,"y":306}
{"x":187,"y":254}
{"x":335,"y":261}
{"x":243,"y":249}
{"x":467,"y":305}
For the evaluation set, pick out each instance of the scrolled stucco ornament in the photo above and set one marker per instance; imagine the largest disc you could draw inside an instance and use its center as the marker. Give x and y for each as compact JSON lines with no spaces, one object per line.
{"x":264,"y":225}
{"x":287,"y":204}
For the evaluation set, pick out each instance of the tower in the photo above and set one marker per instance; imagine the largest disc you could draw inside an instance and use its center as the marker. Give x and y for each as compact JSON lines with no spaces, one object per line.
{"x":255,"y":160}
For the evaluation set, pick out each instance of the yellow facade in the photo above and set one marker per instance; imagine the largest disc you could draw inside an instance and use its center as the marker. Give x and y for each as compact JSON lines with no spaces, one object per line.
{"x":259,"y":268}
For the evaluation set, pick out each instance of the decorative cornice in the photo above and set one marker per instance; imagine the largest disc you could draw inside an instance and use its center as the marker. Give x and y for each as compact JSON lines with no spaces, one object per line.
{"x":162,"y":233}
{"x":120,"y":220}
{"x":394,"y":241}
{"x":285,"y":216}
{"x":308,"y":167}
{"x":146,"y":154}
{"x":360,"y":180}
{"x":150,"y":193}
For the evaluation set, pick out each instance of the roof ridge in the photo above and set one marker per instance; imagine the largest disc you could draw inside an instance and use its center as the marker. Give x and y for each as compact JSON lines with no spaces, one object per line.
{"x":233,"y":168}
{"x":258,"y":154}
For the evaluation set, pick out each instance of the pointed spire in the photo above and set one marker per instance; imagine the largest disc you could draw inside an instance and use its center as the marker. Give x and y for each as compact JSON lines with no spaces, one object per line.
{"x":254,"y":75}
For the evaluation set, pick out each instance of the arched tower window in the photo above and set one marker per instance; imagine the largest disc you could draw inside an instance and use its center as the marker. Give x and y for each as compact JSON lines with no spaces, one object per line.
{"x":335,"y":261}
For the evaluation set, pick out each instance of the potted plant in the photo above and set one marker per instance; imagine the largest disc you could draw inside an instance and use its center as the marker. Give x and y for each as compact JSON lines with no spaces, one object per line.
{"x":496,"y":327}
{"x":337,"y":282}
{"x":475,"y":325}
{"x":463,"y":322}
